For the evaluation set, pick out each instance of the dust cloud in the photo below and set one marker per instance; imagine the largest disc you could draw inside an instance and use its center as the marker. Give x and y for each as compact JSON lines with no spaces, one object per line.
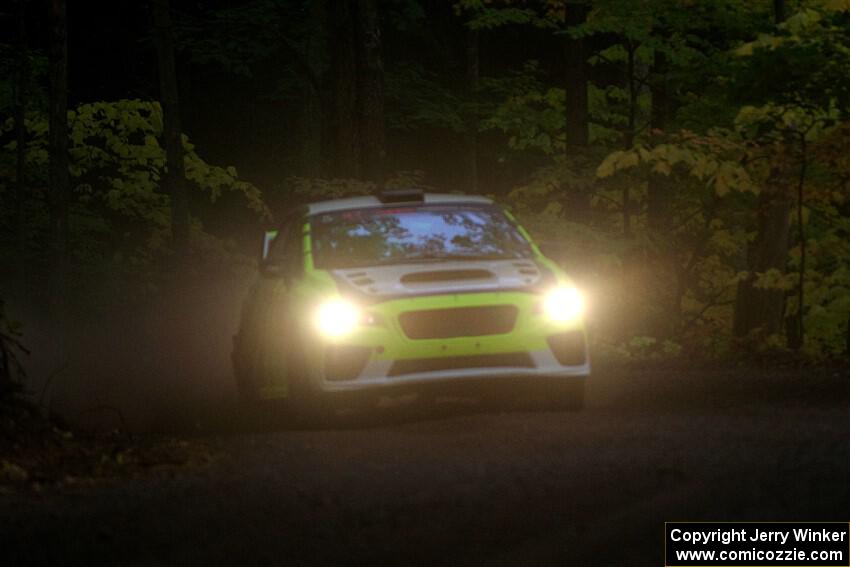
{"x":157,"y":364}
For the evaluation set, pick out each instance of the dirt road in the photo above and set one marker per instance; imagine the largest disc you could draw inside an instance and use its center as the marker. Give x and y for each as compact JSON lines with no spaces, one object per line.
{"x":462,"y":484}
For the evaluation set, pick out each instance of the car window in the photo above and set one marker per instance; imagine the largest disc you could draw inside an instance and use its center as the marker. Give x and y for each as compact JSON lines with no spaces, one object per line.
{"x":394,"y":235}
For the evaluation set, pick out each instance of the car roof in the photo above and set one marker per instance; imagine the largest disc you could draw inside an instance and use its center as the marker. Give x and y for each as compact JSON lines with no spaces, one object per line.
{"x":371,"y":202}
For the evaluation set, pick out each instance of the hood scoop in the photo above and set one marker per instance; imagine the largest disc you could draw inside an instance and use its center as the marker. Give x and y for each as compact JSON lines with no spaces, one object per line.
{"x":450,"y":277}
{"x":445,"y":276}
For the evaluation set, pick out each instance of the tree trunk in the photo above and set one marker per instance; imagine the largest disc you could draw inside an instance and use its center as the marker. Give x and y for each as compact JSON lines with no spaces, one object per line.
{"x":761,"y":309}
{"x":310,"y":123}
{"x":576,"y":133}
{"x":312,"y":115}
{"x":174,"y":179}
{"x":344,"y":88}
{"x":779,"y":11}
{"x":576,"y":80}
{"x":659,"y":207}
{"x":658,"y":191}
{"x":629,"y":134}
{"x":798,"y":337}
{"x":370,"y":92}
{"x":847,"y":339}
{"x":59,"y":180}
{"x":473,"y":75}
{"x":20,"y":86}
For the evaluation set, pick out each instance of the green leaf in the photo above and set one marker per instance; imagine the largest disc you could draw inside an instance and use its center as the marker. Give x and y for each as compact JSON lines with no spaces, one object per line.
{"x":608,"y":165}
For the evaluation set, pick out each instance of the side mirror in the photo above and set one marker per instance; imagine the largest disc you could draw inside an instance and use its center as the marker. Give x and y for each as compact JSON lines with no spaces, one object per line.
{"x":268,"y":238}
{"x":270,"y":267}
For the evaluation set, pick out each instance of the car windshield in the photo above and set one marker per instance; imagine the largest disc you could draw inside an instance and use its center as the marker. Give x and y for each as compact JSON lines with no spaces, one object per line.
{"x":399,"y":235}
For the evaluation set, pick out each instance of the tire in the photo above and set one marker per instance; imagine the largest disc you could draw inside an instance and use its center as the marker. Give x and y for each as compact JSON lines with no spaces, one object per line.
{"x":306,"y":405}
{"x":257,"y":413}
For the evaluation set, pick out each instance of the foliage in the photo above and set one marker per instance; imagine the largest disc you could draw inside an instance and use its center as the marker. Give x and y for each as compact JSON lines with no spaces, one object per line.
{"x":302,"y":190}
{"x":119,"y":213}
{"x":803,"y":62}
{"x":236,"y":38}
{"x":777,"y":145}
{"x":755,"y":108}
{"x":700,"y":113}
{"x":36,"y":65}
{"x":416,"y":99}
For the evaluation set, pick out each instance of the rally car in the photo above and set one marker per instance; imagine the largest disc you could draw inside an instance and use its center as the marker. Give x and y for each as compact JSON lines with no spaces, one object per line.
{"x":407,"y":289}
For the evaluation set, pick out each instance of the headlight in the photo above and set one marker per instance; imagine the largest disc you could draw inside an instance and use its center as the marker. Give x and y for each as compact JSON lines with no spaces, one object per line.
{"x":563,"y":305}
{"x":337,"y":318}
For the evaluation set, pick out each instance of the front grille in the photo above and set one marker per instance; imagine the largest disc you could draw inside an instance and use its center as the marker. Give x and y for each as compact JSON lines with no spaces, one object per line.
{"x":459,"y":322}
{"x":445,"y":276}
{"x":568,"y":348}
{"x":502,"y":360}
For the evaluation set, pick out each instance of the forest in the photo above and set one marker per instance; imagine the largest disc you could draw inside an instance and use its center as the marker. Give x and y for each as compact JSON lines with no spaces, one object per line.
{"x":687,"y":161}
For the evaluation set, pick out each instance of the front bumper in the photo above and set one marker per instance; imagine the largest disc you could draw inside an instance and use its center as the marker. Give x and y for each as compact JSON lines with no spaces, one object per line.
{"x":385,"y":355}
{"x":379,"y":373}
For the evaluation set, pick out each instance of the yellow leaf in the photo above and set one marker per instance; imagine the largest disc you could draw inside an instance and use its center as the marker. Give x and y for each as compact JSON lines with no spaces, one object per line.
{"x":553,"y":208}
{"x":608,"y":165}
{"x":837,"y":5}
{"x":662,"y":167}
{"x":746,"y":49}
{"x":628,"y":159}
{"x":721,"y":183}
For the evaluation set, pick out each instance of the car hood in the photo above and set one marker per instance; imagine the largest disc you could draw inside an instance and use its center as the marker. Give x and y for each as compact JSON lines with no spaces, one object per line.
{"x":401,"y":280}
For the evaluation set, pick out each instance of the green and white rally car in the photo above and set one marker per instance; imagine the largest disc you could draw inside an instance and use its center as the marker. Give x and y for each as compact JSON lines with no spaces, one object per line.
{"x":408,"y":289}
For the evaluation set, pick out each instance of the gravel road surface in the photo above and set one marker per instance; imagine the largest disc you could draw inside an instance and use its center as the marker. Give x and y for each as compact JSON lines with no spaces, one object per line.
{"x":462,"y":482}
